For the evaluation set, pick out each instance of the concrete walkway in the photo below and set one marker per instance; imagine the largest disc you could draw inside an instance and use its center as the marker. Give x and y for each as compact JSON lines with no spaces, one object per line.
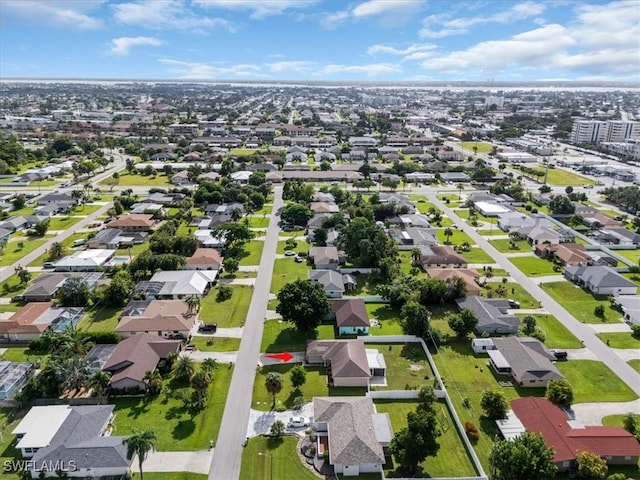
{"x":580,"y":354}
{"x":250,"y":282}
{"x":195,"y":462}
{"x":593,"y":413}
{"x":222,"y":332}
{"x":548,"y":279}
{"x":272,"y":315}
{"x":611,"y":327}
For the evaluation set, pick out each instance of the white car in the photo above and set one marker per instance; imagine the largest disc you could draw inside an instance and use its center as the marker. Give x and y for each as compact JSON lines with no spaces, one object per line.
{"x":298,"y":422}
{"x":289,"y":253}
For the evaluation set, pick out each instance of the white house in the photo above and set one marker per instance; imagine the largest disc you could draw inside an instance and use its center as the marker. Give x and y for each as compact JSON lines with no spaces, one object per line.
{"x":85,"y":260}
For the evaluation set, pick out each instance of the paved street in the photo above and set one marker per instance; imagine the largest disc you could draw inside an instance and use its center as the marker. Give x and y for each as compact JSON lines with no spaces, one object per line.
{"x":583,"y":331}
{"x":227,"y":459}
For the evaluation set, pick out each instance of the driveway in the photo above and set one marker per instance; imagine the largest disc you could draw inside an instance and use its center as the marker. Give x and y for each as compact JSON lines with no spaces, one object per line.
{"x":196,"y":462}
{"x":580,"y":354}
{"x":260,"y":422}
{"x":592,"y":413}
{"x":611,"y":327}
{"x":220,"y":357}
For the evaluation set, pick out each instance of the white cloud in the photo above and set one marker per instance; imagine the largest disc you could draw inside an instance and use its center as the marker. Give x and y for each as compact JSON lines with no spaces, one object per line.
{"x":206,"y":71}
{"x":377,"y":7}
{"x":298,"y":66}
{"x":160,"y":14}
{"x":410,"y":50}
{"x":440,"y":26}
{"x":122,"y":45}
{"x":370,"y":70}
{"x":333,"y":20}
{"x":615,"y":25}
{"x":258,"y":8}
{"x":58,"y":13}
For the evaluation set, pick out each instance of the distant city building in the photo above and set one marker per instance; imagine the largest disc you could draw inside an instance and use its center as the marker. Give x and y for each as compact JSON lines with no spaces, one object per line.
{"x":597,"y":131}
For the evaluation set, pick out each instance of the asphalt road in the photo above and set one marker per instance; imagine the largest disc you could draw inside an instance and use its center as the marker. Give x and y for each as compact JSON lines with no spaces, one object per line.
{"x":228,"y":451}
{"x":583,"y":331}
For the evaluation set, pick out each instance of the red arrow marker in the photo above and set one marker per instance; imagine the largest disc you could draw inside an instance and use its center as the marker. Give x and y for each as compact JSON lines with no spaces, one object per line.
{"x":285,"y":357}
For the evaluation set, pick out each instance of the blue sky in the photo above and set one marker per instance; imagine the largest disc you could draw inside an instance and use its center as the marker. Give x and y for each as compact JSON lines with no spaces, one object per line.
{"x":385,"y":40}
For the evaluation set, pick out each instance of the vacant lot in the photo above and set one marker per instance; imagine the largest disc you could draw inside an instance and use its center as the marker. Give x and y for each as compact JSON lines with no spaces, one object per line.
{"x":230,"y":313}
{"x":477,"y":255}
{"x":593,"y":381}
{"x":216,"y":344}
{"x":534,"y":266}
{"x":388,"y":318}
{"x":504,"y":245}
{"x":580,"y":303}
{"x":287,"y":270}
{"x":127,"y":179}
{"x":101,"y":319}
{"x":482,"y":147}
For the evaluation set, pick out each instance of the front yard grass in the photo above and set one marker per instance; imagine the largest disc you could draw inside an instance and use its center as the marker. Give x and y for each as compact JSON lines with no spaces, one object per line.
{"x":253,"y":250}
{"x":258,"y":222}
{"x":63,"y":223}
{"x":458,"y":237}
{"x":477,"y":255}
{"x":593,"y":381}
{"x":558,"y":336}
{"x":302,"y":246}
{"x":635,"y":364}
{"x":230,"y":313}
{"x":101,"y":319}
{"x":127,"y":179}
{"x":12,"y":286}
{"x":407,"y":365}
{"x":503,"y":244}
{"x":176,"y":426}
{"x":287,"y":270}
{"x":218,"y":344}
{"x":12,"y":252}
{"x":278,"y":460}
{"x":580,"y":303}
{"x":619,"y":340}
{"x":534,"y":266}
{"x":451,"y":460}
{"x":8,"y":452}
{"x":280,"y":336}
{"x":633,"y":255}
{"x":515,"y":291}
{"x":315,"y":386}
{"x":265,"y":210}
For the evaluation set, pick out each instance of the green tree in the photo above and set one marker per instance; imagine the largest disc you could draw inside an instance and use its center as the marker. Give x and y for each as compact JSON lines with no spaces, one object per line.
{"x":19,"y":201}
{"x":56,"y":251}
{"x":366,"y":243}
{"x":303,"y":303}
{"x":296,"y":214}
{"x":493,"y":404}
{"x":529,"y":325}
{"x":23,"y":274}
{"x":591,"y":466}
{"x":74,"y":292}
{"x":200,"y":382}
{"x":40,"y":228}
{"x":417,"y":441}
{"x":231,"y":265}
{"x":526,"y":457}
{"x":560,"y":392}
{"x":225,"y":292}
{"x":277,"y":429}
{"x":72,"y":342}
{"x":120,"y":290}
{"x":463,"y":323}
{"x":298,"y":376}
{"x":598,"y":311}
{"x":184,"y":368}
{"x":153,"y":379}
{"x":448,"y":232}
{"x":561,"y":204}
{"x":631,"y":424}
{"x":72,"y":373}
{"x":140,"y":444}
{"x":98,"y":382}
{"x":273,"y":384}
{"x":415,"y":319}
{"x":209,"y":365}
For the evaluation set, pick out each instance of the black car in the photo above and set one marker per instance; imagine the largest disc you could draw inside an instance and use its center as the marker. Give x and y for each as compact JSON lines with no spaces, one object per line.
{"x":559,"y":354}
{"x":208,"y":327}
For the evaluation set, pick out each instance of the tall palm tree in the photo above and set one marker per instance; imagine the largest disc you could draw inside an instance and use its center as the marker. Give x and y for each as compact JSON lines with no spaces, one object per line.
{"x":209,"y":365}
{"x":200,"y":382}
{"x":273,"y":384}
{"x":98,"y":382}
{"x":193,"y":303}
{"x":416,"y":253}
{"x":72,"y":373}
{"x":56,"y":251}
{"x":448,"y":233}
{"x":153,"y":379}
{"x":75,"y":342}
{"x":183,"y":369}
{"x":140,"y":444}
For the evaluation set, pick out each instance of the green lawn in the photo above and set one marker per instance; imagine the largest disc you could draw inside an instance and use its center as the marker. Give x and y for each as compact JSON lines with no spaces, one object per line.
{"x":218,"y":344}
{"x":230,"y":313}
{"x":534,"y":266}
{"x":280,"y":336}
{"x":131,"y":180}
{"x":177,"y":427}
{"x":367,"y":284}
{"x":635,"y":364}
{"x":458,"y":237}
{"x":253,"y":250}
{"x":451,"y":460}
{"x":592,"y":381}
{"x":619,"y":340}
{"x":279,"y":460}
{"x":633,"y":255}
{"x":558,"y":336}
{"x":407,"y":365}
{"x":133,"y":251}
{"x":502,"y":245}
{"x":12,"y":286}
{"x":477,"y":255}
{"x":387,"y":316}
{"x":580,"y":303}
{"x":21,"y":353}
{"x":515,"y":291}
{"x":287,"y":270}
{"x":315,"y":386}
{"x":101,"y":319}
{"x":258,"y":222}
{"x":8,"y":451}
{"x":84,"y":210}
{"x":12,"y":252}
{"x":66,"y":243}
{"x":302,"y":246}
{"x":483,"y":147}
{"x":565,"y":178}
{"x":63,"y":223}
{"x":265,"y":210}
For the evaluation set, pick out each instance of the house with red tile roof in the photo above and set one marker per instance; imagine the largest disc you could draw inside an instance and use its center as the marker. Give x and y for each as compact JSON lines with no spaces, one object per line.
{"x":204,"y":259}
{"x":568,"y":437}
{"x":134,"y":222}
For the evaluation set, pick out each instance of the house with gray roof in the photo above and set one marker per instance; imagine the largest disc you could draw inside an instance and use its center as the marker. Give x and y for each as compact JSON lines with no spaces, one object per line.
{"x":4,"y":236}
{"x":492,"y":314}
{"x":622,"y":236}
{"x":600,"y":280}
{"x":354,"y":434}
{"x":629,"y":305}
{"x":45,"y":286}
{"x":176,"y":284}
{"x":334,"y":283}
{"x":74,"y":438}
{"x":351,"y":316}
{"x":526,"y":359}
{"x":326,"y":258}
{"x":413,"y":236}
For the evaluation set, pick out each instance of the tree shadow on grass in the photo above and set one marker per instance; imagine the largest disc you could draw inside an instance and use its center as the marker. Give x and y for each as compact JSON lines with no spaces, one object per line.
{"x":183,"y":429}
{"x":140,"y":408}
{"x":274,"y":442}
{"x":292,"y":340}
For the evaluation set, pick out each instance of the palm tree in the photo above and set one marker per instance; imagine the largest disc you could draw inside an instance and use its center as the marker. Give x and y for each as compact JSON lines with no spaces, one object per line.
{"x":416,"y":254}
{"x":23,"y":274}
{"x":193,"y":303}
{"x":72,"y":373}
{"x":98,"y":382}
{"x":448,"y":233}
{"x":75,"y":342}
{"x":183,"y":369}
{"x":140,"y":444}
{"x":200,"y":382}
{"x":153,"y":379}
{"x":209,"y":365}
{"x":56,"y":251}
{"x":273,"y":384}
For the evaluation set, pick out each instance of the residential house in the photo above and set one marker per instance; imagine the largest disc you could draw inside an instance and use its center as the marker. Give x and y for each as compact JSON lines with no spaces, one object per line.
{"x":441,"y":256}
{"x":574,"y":254}
{"x":134,"y":222}
{"x":492,"y":314}
{"x":334,"y":283}
{"x":419,"y":177}
{"x":241,"y":176}
{"x":413,"y":237}
{"x":13,"y":376}
{"x":418,"y":220}
{"x":622,"y":236}
{"x":600,"y":280}
{"x":323,"y":197}
{"x":629,"y":305}
{"x":526,"y":359}
{"x":44,"y":287}
{"x":165,"y":318}
{"x":399,"y":200}
{"x":324,"y":207}
{"x":351,"y":316}
{"x":74,"y":437}
{"x":538,"y":235}
{"x":62,"y":201}
{"x":600,"y":220}
{"x":30,"y":321}
{"x":135,"y":356}
{"x":207,"y":223}
{"x":204,"y":259}
{"x":566,"y":437}
{"x":224,"y":209}
{"x":516,"y":220}
{"x":469,"y":276}
{"x":178,"y":284}
{"x":89,"y":260}
{"x":210,"y":177}
{"x":348,"y":362}
{"x":326,"y":258}
{"x":455,"y":177}
{"x":114,"y":238}
{"x":13,"y":224}
{"x":353,"y":433}
{"x":207,"y":239}
{"x":4,"y":236}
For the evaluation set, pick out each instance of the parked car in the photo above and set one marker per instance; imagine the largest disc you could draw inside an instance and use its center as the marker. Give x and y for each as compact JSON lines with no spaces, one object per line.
{"x":299,"y":259}
{"x":513,"y":303}
{"x":289,"y":253}
{"x":295,"y":422}
{"x":208,"y":327}
{"x":190,"y":347}
{"x":559,"y":354}
{"x":48,"y":265}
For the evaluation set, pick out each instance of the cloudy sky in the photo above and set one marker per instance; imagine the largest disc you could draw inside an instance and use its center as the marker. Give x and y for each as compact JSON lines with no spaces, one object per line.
{"x":390,"y":40}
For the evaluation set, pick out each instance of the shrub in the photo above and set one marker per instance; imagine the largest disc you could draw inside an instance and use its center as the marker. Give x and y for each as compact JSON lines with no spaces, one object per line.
{"x":103,"y":337}
{"x":635,"y":331}
{"x":472,"y":431}
{"x":224,"y":293}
